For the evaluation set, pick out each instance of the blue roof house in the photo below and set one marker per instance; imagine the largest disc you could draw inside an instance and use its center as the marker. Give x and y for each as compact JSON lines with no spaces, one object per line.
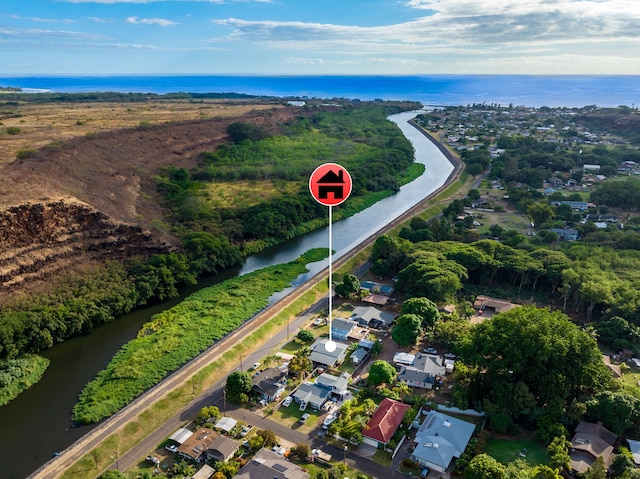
{"x":440,"y":439}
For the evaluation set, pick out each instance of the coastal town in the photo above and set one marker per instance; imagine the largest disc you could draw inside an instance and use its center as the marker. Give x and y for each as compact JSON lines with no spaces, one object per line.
{"x":539,"y":233}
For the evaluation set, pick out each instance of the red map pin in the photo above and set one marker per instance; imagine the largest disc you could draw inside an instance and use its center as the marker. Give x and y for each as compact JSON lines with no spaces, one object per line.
{"x":330,"y":184}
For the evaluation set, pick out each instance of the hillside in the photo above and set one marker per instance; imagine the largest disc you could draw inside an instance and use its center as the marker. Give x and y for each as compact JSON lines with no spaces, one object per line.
{"x":82,"y":187}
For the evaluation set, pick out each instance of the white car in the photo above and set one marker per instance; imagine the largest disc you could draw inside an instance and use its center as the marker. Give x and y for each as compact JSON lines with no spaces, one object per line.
{"x":171,"y":448}
{"x":328,"y":420}
{"x":287,"y":402}
{"x":304,"y":417}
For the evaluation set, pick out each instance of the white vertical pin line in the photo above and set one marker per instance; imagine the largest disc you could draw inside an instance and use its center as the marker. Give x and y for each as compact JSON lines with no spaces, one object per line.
{"x":331,"y":345}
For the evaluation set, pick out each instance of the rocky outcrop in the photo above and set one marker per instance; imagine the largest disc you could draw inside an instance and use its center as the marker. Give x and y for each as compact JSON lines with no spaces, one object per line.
{"x":40,"y":239}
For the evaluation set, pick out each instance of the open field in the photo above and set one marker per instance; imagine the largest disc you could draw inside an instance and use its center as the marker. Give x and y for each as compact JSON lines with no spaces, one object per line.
{"x":44,"y":124}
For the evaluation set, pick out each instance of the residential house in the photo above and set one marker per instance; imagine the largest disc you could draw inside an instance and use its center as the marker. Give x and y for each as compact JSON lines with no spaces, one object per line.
{"x":222,"y":448}
{"x":404,"y":359}
{"x":556,"y":182}
{"x":424,"y":372}
{"x":358,"y":356}
{"x":311,"y":394}
{"x":589,"y":442}
{"x":205,"y":472}
{"x":614,"y":368}
{"x":320,"y":356}
{"x":336,"y":384}
{"x":634,"y":448}
{"x":440,"y":439}
{"x":575,"y":205}
{"x":566,"y":234}
{"x":366,"y":344}
{"x":384,"y":422}
{"x":377,"y":288}
{"x":270,"y":383}
{"x":195,"y":447}
{"x":267,"y":464}
{"x":225,"y":424}
{"x":342,"y":328}
{"x":498,"y":305}
{"x":372,"y":317}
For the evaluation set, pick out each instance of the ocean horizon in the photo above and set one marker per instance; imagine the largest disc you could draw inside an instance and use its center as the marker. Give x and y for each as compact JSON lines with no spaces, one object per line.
{"x":572,"y":91}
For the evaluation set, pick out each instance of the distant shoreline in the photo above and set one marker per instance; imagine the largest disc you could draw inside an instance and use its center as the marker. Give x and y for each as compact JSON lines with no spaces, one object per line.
{"x":573,"y":91}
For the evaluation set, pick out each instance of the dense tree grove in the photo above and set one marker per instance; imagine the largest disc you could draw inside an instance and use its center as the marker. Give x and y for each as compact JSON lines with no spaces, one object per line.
{"x":599,"y":282}
{"x":531,"y":362}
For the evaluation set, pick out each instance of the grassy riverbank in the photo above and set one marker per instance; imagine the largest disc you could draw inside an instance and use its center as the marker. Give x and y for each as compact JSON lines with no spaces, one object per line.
{"x":179,"y":334}
{"x":17,"y":375}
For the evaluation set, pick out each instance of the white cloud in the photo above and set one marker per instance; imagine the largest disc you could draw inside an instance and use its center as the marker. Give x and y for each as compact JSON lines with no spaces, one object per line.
{"x":40,"y":19}
{"x":37,"y":33}
{"x":462,"y":22}
{"x":151,"y":21}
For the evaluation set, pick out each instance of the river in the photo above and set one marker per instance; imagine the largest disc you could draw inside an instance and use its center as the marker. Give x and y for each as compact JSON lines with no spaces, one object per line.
{"x":37,"y":423}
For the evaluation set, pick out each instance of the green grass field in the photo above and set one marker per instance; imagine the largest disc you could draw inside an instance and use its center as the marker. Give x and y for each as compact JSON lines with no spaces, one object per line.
{"x":508,"y":450}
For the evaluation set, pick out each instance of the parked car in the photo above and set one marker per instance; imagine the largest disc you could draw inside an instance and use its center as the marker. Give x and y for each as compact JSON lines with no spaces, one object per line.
{"x":287,"y":402}
{"x":425,"y":472}
{"x":246,"y":430}
{"x":328,"y":420}
{"x":153,"y":460}
{"x":255,"y":366}
{"x":304,"y":417}
{"x":450,"y":355}
{"x":171,"y":448}
{"x":430,"y":351}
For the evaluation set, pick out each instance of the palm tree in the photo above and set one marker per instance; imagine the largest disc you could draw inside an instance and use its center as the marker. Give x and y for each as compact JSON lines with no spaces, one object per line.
{"x":545,"y":472}
{"x":402,"y":388}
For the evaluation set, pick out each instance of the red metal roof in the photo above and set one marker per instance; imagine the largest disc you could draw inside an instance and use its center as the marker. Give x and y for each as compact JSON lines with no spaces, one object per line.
{"x":384,"y":422}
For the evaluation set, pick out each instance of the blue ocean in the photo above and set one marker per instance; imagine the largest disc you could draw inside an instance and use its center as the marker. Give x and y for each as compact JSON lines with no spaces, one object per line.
{"x":527,"y":90}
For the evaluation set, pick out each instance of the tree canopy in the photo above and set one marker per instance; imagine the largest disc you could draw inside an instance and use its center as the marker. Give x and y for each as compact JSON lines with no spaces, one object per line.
{"x":532,"y":358}
{"x":238,"y":383}
{"x":381,"y":372}
{"x":407,"y":329}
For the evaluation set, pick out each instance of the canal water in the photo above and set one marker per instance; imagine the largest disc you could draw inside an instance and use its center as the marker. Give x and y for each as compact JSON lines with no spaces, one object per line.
{"x":37,"y":424}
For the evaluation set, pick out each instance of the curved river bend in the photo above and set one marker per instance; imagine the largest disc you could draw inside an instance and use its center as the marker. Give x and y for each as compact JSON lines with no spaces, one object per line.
{"x":37,"y":423}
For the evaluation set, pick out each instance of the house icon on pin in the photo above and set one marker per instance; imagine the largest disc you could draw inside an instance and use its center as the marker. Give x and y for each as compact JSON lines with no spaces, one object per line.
{"x":331,"y":183}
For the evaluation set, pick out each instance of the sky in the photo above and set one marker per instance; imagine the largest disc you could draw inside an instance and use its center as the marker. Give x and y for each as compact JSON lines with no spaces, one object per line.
{"x":319,"y":37}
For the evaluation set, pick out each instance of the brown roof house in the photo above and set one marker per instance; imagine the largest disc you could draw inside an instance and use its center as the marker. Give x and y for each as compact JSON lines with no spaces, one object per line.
{"x":589,"y":442}
{"x":196,"y":445}
{"x":222,"y":448}
{"x":497,"y":305}
{"x":384,"y":422}
{"x":269,"y":465}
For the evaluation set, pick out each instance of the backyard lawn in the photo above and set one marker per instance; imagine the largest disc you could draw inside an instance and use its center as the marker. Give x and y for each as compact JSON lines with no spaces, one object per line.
{"x":631,"y":381}
{"x":508,"y":450}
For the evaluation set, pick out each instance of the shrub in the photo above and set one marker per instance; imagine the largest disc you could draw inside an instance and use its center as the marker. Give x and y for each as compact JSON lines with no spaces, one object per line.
{"x":13,"y":130}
